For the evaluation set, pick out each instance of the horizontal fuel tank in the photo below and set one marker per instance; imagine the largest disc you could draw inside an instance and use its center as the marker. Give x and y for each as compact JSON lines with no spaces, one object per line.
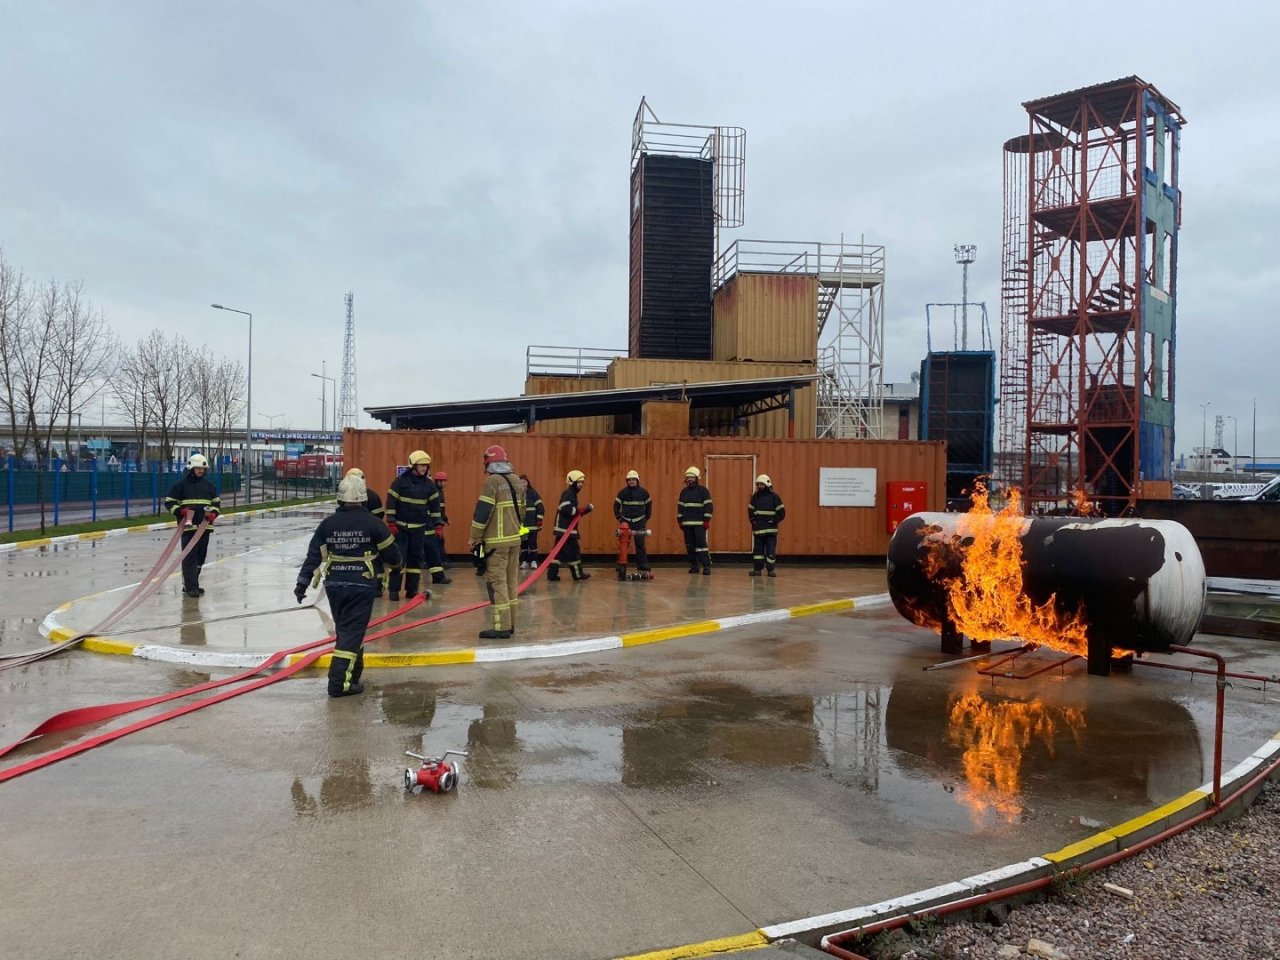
{"x":1136,"y":584}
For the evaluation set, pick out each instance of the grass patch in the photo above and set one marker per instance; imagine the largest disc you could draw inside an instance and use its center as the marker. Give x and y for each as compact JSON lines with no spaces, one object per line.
{"x":116,"y":523}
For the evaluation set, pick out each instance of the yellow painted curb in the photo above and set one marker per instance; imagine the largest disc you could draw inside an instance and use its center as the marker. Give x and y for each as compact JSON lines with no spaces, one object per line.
{"x":107,"y":645}
{"x":669,"y":633}
{"x":826,"y":606}
{"x":707,"y":948}
{"x":28,"y":544}
{"x":1159,"y":813}
{"x":60,"y":634}
{"x":92,"y":535}
{"x":1074,"y":850}
{"x":434,"y":658}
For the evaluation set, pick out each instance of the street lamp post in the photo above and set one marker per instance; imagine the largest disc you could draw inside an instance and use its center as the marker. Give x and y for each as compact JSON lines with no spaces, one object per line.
{"x":1204,"y":434}
{"x":248,"y":404}
{"x":323,"y":401}
{"x":1235,"y":440}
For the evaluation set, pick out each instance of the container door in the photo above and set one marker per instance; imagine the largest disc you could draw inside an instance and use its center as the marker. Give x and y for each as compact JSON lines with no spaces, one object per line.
{"x":731,"y":480}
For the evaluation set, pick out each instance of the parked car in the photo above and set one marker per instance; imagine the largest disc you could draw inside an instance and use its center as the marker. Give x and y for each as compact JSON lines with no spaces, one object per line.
{"x":1186,"y":491}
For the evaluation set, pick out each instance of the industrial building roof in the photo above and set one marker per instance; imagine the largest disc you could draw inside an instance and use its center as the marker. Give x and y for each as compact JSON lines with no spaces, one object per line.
{"x":747,"y":396}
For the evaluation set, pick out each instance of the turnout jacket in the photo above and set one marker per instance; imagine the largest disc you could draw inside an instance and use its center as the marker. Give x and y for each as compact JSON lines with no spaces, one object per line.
{"x":193,"y":493}
{"x":345,"y":545}
{"x":567,"y":510}
{"x":413,"y":502}
{"x":534,"y":509}
{"x":498,"y":513}
{"x":633,"y":505}
{"x":765,"y":511}
{"x":694,"y":507}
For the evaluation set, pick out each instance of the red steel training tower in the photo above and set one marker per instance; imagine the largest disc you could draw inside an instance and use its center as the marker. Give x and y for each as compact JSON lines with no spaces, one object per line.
{"x":1089,"y":295}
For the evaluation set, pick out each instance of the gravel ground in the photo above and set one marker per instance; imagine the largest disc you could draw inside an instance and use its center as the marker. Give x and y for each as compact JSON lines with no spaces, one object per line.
{"x":1211,"y":892}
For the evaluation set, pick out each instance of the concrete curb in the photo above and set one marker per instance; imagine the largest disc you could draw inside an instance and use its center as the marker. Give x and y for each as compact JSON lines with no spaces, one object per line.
{"x":56,"y":633}
{"x":818,"y":929}
{"x":139,"y":528}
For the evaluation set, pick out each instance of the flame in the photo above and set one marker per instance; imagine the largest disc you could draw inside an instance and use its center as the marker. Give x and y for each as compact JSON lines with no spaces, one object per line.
{"x":986,"y":601}
{"x":1082,"y":505}
{"x":994,"y":738}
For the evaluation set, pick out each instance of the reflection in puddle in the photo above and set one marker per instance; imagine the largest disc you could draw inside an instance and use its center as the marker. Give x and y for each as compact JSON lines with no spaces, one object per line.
{"x":994,"y":736}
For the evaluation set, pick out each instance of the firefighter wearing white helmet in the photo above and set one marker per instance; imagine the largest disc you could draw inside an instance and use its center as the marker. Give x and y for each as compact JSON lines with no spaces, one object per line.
{"x":345,"y":552}
{"x":193,"y":500}
{"x":372,"y":503}
{"x":693,"y":512}
{"x":497,"y":526}
{"x":413,"y":513}
{"x":570,"y":554}
{"x":634,"y":507}
{"x":765,"y":511}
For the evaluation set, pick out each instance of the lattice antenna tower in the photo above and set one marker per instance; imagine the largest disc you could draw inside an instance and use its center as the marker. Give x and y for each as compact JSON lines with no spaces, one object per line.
{"x":347,"y":397}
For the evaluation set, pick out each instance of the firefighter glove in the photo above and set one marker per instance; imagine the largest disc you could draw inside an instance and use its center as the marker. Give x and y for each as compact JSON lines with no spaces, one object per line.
{"x":300,"y":591}
{"x":211,"y":515}
{"x":583,"y":511}
{"x":391,"y":525}
{"x":706,"y":524}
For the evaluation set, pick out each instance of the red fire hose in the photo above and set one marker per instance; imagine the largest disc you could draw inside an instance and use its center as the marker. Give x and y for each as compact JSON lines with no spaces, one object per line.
{"x":70,"y":719}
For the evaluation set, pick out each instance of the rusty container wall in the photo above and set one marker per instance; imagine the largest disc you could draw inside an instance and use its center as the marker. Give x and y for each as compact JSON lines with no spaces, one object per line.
{"x":728,"y":464}
{"x":540,"y":384}
{"x":664,"y":418}
{"x":767,"y":317}
{"x":632,"y":372}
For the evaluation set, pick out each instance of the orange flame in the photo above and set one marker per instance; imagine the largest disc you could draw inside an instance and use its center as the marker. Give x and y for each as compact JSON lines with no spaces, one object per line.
{"x":986,"y":601}
{"x":994,"y":738}
{"x":1082,"y":505}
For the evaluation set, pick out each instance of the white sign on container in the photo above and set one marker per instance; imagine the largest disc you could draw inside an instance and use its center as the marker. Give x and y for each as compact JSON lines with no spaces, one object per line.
{"x":846,"y":486}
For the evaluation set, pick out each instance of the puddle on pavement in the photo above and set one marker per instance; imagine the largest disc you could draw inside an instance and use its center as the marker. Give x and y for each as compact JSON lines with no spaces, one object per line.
{"x":944,"y":751}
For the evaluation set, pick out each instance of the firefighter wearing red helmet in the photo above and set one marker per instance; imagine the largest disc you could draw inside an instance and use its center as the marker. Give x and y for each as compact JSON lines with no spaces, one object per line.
{"x":496,"y":530}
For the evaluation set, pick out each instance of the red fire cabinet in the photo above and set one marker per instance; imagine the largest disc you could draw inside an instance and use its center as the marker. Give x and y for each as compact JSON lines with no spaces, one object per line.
{"x":904,"y":498}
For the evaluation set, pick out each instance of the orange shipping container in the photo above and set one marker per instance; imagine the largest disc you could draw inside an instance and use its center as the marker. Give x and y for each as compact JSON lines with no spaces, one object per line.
{"x":767,"y":317}
{"x":541,"y":384}
{"x":729,"y":465}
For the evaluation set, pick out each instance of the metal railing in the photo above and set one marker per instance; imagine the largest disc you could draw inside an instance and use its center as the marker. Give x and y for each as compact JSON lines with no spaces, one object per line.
{"x":839,"y":264}
{"x":554,"y":361}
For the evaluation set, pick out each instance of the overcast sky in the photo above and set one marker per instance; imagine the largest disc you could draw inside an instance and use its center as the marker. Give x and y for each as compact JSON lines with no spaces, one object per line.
{"x":464,"y":170}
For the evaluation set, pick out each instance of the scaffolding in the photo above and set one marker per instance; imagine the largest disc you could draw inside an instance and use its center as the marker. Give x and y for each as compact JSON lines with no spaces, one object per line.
{"x":850,"y":314}
{"x":1088,"y":295}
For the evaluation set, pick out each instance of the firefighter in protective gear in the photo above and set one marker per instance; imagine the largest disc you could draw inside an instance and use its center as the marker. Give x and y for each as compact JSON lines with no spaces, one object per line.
{"x":343,"y":551}
{"x":693,"y":512}
{"x":441,"y":478}
{"x":633,"y":507}
{"x":497,"y":527}
{"x":372,"y":503}
{"x":412,"y":509}
{"x":535,"y":511}
{"x":193,"y":499}
{"x":764,"y":511}
{"x":571,"y":554}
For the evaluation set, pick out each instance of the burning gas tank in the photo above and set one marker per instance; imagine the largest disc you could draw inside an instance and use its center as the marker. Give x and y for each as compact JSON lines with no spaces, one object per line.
{"x":1081,"y":585}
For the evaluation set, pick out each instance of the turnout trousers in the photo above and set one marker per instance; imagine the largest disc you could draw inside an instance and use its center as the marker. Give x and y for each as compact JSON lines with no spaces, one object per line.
{"x":351,"y":605}
{"x":764,"y":550}
{"x":695,"y":544}
{"x":502,"y":581}
{"x":194,"y":560}
{"x":529,"y":548}
{"x":570,"y":556}
{"x":412,"y":542}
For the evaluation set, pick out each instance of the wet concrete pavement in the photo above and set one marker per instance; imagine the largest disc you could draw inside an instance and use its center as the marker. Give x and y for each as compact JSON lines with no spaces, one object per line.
{"x":613,"y":803}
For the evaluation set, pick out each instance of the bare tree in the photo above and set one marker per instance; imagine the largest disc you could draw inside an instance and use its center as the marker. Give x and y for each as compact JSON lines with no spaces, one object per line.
{"x":86,"y":352}
{"x":166,"y":367}
{"x":229,"y":392}
{"x":15,"y":319}
{"x":126,"y":389}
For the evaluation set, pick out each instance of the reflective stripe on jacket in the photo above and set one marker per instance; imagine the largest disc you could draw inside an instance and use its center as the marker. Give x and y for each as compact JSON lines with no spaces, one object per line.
{"x":344,"y":545}
{"x":765,"y":511}
{"x":193,"y":493}
{"x":694,"y":506}
{"x":497,"y":517}
{"x":413,"y":501}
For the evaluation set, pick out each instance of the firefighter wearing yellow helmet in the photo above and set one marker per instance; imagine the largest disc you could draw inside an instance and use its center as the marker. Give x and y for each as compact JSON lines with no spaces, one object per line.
{"x":765,"y":511}
{"x":693,"y":512}
{"x":191,"y":500}
{"x":413,"y":513}
{"x":634,"y":507}
{"x":571,"y":553}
